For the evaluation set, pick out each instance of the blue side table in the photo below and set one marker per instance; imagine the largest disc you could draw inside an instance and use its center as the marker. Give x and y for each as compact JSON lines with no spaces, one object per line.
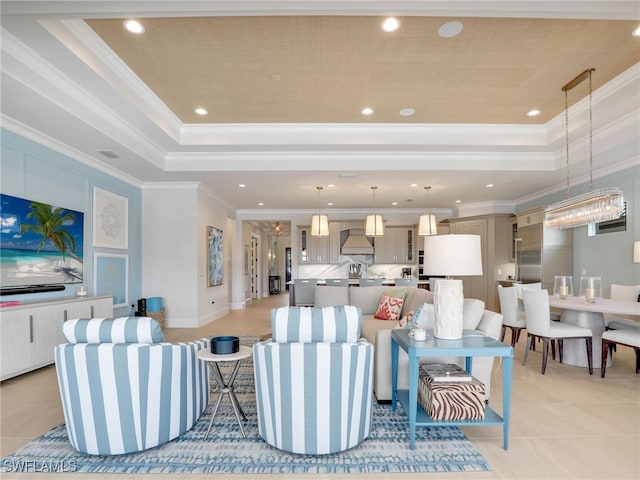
{"x":472,"y":344}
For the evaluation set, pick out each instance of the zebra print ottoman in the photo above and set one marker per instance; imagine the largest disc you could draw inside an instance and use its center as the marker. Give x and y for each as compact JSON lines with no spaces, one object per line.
{"x":451,"y":400}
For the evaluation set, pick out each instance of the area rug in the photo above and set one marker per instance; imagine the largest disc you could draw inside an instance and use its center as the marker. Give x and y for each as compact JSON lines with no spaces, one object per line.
{"x":438,"y":449}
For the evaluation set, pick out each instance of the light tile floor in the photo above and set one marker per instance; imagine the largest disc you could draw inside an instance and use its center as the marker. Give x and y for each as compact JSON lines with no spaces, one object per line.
{"x":564,"y":424}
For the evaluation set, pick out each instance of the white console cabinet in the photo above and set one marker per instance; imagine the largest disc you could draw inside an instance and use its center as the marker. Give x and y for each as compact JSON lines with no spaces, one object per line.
{"x":30,"y":331}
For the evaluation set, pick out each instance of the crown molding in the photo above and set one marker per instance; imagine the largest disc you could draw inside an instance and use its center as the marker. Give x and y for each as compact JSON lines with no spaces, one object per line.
{"x":36,"y":136}
{"x":592,"y":9}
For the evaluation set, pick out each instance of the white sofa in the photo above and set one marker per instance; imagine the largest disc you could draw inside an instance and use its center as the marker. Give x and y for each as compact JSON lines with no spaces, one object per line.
{"x":378,"y":332}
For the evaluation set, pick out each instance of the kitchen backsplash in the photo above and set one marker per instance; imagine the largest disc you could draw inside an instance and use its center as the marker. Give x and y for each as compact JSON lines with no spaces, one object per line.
{"x":341,"y":270}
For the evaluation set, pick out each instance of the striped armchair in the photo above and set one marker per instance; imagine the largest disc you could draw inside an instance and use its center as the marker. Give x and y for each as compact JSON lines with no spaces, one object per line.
{"x":123,"y":389}
{"x":314,"y":380}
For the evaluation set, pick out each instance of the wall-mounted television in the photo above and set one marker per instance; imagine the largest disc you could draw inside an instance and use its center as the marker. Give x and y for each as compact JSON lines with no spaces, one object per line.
{"x":41,"y":246}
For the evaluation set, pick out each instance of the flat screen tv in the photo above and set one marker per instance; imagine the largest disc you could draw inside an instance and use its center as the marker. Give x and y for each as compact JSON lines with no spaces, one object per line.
{"x":41,"y":246}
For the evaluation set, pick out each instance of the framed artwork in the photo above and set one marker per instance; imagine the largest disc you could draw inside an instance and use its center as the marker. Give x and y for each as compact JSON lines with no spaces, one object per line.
{"x":111,"y":277}
{"x":110,"y":219}
{"x":215,"y":260}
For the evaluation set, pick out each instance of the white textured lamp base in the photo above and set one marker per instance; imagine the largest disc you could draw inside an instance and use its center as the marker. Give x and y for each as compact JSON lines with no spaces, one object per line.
{"x":448,"y":301}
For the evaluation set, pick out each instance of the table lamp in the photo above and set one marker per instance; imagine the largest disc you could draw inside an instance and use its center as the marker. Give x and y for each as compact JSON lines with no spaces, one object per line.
{"x":451,"y":255}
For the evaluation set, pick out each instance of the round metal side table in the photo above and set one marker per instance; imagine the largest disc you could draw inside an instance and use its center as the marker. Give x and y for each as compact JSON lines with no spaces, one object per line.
{"x":225,"y":386}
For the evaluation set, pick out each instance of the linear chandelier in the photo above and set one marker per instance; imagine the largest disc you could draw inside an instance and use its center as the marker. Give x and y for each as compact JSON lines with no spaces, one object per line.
{"x":597,"y":205}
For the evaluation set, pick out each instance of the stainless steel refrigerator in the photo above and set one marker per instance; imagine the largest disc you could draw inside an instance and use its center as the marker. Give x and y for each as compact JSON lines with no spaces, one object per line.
{"x":543,"y":253}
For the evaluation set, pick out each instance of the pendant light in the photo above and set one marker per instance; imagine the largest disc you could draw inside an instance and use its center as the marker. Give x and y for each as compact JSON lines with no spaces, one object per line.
{"x":374,"y":225}
{"x":319,"y":222}
{"x":428,"y":224}
{"x":595,"y":206}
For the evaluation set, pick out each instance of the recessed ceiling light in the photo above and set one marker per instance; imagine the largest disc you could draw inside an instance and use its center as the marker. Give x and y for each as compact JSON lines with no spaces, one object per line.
{"x":330,"y":204}
{"x":489,"y":185}
{"x":458,"y":201}
{"x":394,"y":203}
{"x":407,"y":112}
{"x":450,"y":29}
{"x":413,"y":185}
{"x":533,"y":113}
{"x":241,"y":185}
{"x":348,"y":175}
{"x":390,"y":24}
{"x":133,"y":26}
{"x":200,"y":111}
{"x":367,"y":111}
{"x":331,"y":185}
{"x":636,"y":32}
{"x":260,"y":204}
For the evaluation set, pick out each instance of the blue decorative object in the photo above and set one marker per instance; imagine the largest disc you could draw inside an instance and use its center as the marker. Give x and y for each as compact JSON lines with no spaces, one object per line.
{"x":225,"y":345}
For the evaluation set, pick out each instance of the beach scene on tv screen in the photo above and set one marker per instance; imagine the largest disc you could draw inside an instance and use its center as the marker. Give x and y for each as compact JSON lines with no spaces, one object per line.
{"x":40,"y":244}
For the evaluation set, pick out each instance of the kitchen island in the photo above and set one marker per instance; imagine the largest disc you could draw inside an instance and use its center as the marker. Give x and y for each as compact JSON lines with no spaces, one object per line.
{"x":355,"y":282}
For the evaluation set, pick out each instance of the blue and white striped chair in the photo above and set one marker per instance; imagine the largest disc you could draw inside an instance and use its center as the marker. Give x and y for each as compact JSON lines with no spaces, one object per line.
{"x":124,"y":389}
{"x":314,"y":380}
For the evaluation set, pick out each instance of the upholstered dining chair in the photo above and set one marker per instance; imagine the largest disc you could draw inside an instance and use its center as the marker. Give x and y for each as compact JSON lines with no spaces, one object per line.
{"x":521,"y":287}
{"x":304,"y":292}
{"x":123,"y":388}
{"x":314,"y":380}
{"x":625,"y":293}
{"x":539,"y":325}
{"x":623,"y":336}
{"x":512,"y":317}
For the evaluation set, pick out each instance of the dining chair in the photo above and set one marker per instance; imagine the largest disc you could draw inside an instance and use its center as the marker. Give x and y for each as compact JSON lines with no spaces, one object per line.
{"x":337,"y":282}
{"x":405,"y":282}
{"x":625,"y":293}
{"x":623,"y":336}
{"x":368,"y":282}
{"x":539,"y":325}
{"x":512,"y":318}
{"x":304,"y":293}
{"x":521,"y":287}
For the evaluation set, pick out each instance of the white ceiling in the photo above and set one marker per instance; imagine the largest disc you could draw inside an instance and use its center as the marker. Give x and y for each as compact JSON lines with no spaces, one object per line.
{"x":64,"y":87}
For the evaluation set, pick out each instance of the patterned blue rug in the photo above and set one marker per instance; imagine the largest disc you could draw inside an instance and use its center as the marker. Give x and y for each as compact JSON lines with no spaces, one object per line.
{"x":441,"y":449}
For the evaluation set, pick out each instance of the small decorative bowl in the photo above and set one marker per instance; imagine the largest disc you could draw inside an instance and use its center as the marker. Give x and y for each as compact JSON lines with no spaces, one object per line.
{"x":225,"y":345}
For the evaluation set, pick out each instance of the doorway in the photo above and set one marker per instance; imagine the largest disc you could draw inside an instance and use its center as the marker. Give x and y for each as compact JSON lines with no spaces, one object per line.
{"x":287,"y":267}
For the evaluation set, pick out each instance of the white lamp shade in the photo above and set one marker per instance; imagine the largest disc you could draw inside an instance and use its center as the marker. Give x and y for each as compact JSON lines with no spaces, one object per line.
{"x":452,"y":255}
{"x":319,"y":225}
{"x":428,"y":225}
{"x":374,"y":226}
{"x":636,"y":252}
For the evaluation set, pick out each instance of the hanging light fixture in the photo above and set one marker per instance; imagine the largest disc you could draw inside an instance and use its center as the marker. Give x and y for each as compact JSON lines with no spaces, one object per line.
{"x":375,"y":225}
{"x":319,"y":222}
{"x":428,"y":224}
{"x":597,"y":205}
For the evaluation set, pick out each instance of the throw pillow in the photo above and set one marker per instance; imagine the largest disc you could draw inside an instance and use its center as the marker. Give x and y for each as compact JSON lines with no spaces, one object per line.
{"x":389,"y":308}
{"x":421,"y":317}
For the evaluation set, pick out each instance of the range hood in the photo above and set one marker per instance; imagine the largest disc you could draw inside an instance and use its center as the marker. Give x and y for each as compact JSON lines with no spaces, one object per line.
{"x":356,"y":243}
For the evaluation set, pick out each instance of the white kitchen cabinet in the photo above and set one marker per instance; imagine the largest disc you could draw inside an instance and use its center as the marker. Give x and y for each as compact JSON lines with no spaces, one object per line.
{"x":320,"y":249}
{"x":397,"y":245}
{"x":31,"y":331}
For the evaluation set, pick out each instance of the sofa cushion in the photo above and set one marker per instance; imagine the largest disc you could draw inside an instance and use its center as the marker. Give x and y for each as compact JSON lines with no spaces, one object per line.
{"x":367,"y":298}
{"x":113,"y":330}
{"x":311,"y":324}
{"x":416,"y":297}
{"x":389,"y":308}
{"x":331,"y":296}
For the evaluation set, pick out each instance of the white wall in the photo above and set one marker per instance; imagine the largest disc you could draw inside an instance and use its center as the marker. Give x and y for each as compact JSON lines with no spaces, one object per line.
{"x":174,"y":252}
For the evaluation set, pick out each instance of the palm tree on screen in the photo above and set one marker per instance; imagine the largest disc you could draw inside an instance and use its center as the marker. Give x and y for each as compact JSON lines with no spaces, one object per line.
{"x":50,"y":223}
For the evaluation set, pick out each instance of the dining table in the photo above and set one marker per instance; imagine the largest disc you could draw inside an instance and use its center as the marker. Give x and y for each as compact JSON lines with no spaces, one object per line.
{"x":577,"y":311}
